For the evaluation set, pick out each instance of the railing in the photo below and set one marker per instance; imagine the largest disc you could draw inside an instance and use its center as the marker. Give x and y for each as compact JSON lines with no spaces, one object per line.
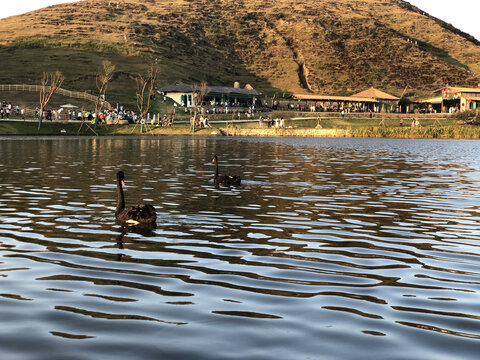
{"x":60,"y":91}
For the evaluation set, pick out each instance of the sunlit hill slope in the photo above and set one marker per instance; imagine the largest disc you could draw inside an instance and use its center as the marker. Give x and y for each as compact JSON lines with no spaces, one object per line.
{"x":334,"y":46}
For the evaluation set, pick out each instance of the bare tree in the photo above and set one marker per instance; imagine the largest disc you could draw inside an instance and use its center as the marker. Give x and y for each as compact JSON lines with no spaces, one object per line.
{"x":50,"y":83}
{"x":146,"y":90}
{"x":103,"y":77}
{"x":199,"y":93}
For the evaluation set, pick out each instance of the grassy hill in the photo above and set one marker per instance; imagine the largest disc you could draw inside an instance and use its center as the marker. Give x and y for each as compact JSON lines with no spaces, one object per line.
{"x":334,"y":46}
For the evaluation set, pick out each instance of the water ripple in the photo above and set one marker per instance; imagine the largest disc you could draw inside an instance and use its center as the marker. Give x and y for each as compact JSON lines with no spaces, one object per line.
{"x":367,"y":240}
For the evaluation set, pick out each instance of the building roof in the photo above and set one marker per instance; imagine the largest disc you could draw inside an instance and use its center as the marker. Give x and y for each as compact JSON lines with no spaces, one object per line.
{"x":436,"y":100}
{"x":332,"y":98}
{"x":439,"y":99}
{"x":179,"y":86}
{"x":458,"y":89}
{"x":376,"y":94}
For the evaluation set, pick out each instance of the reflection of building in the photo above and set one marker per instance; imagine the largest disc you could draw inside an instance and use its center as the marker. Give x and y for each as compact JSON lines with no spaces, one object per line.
{"x":452,"y":99}
{"x":184,"y":94}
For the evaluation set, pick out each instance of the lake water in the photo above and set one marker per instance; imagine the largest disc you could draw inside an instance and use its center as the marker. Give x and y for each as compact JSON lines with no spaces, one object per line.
{"x":330,"y":249}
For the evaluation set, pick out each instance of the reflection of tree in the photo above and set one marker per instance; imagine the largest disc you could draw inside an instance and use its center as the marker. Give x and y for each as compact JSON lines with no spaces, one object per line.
{"x":100,"y":315}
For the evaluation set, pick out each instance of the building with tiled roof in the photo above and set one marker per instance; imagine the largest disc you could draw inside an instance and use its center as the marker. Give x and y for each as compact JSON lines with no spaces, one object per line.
{"x":183,"y":94}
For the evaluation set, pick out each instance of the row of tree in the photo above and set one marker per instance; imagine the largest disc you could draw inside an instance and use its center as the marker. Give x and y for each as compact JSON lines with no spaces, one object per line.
{"x":146,"y":85}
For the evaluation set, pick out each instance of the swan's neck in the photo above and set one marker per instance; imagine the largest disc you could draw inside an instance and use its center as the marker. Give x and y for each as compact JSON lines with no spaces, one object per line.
{"x":120,"y":199}
{"x":216,"y":169}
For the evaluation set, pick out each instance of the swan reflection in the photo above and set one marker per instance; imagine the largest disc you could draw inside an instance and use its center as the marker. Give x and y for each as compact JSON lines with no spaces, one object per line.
{"x":146,"y":230}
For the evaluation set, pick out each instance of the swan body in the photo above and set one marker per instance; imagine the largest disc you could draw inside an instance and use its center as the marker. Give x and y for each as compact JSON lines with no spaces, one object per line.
{"x":224,"y":179}
{"x":135,"y":215}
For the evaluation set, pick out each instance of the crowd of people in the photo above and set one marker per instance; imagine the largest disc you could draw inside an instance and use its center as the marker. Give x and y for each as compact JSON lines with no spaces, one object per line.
{"x":113,"y":115}
{"x":304,"y":107}
{"x":278,"y":123}
{"x":166,"y":120}
{"x":200,"y":121}
{"x":8,"y":109}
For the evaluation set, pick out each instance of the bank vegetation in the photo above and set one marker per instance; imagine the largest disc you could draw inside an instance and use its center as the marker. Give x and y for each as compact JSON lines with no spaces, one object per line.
{"x":387,"y":126}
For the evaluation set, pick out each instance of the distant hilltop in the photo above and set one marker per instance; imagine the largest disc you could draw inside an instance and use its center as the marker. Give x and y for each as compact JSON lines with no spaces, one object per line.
{"x":334,"y":46}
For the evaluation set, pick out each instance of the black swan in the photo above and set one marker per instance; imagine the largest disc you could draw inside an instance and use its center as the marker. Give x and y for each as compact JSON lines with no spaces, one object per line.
{"x":224,"y":179}
{"x":140,"y":214}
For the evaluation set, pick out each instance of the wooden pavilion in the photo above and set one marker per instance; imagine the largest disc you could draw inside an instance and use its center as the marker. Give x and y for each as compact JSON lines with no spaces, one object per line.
{"x":386,"y":102}
{"x":327,"y":102}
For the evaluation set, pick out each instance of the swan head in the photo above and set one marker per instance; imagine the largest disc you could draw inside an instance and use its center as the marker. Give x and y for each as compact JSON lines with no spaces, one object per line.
{"x":215,"y":159}
{"x":121,"y":177}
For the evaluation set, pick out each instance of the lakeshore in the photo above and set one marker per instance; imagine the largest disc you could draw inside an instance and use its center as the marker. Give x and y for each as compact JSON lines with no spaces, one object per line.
{"x":385,"y":126}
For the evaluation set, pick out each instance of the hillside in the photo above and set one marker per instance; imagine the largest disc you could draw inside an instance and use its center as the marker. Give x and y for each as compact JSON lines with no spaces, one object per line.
{"x":333,"y":46}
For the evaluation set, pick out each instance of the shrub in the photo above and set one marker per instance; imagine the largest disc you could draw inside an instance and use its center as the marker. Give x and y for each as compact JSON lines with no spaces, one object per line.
{"x":30,"y":43}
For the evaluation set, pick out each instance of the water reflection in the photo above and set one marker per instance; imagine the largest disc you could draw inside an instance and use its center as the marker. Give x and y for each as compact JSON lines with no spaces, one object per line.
{"x":371,"y":240}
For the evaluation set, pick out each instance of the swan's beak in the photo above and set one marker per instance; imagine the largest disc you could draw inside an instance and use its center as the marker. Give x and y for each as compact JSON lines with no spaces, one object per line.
{"x":123,"y":182}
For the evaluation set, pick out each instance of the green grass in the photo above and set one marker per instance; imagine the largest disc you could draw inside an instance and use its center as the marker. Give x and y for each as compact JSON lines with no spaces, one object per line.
{"x":25,"y":66}
{"x":366,"y":122}
{"x":446,"y":128}
{"x":49,"y":128}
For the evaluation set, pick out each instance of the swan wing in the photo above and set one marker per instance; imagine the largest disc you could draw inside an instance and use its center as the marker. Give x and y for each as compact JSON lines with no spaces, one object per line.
{"x":138,"y":214}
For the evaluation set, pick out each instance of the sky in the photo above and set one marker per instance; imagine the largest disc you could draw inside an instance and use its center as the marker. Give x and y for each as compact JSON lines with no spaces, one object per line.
{"x":463,"y":14}
{"x":17,"y":7}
